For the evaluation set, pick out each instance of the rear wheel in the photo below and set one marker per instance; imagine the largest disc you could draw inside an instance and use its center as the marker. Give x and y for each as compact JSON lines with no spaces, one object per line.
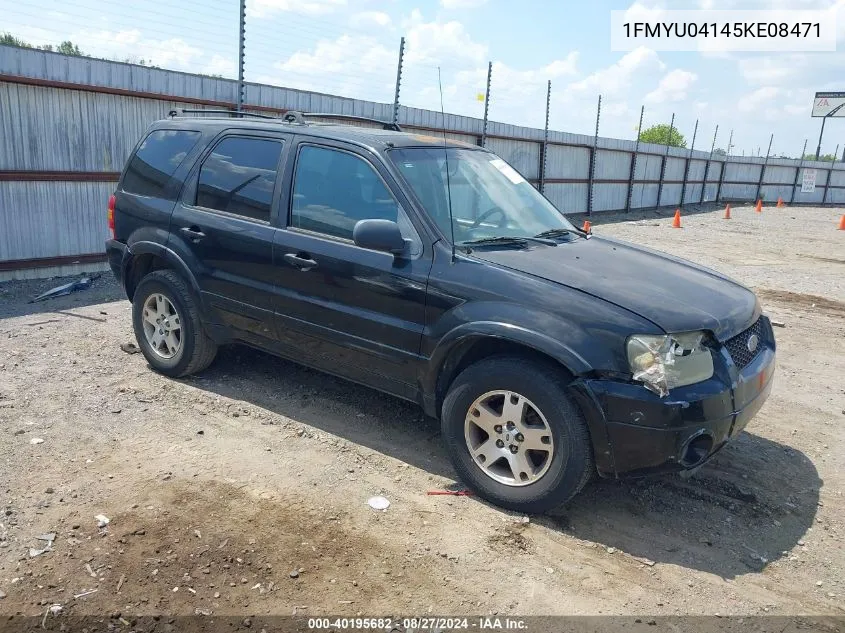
{"x":167,"y":325}
{"x":515,"y":436}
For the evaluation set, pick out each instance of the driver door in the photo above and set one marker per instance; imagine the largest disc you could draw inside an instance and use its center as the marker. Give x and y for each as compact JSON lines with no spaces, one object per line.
{"x":352,"y":311}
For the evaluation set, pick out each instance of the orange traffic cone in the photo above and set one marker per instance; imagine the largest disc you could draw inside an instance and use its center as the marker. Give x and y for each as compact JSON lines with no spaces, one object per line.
{"x":759,"y":207}
{"x":842,"y":223}
{"x":727,"y":212}
{"x":676,"y":222}
{"x":587,"y":228}
{"x":780,"y":202}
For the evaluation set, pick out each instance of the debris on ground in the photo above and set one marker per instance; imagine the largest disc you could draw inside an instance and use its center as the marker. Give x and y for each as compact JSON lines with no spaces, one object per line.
{"x":36,"y":440}
{"x":129,"y":348}
{"x":777,"y":323}
{"x":2,"y":594}
{"x":102,"y":520}
{"x":456,"y":493}
{"x":65,"y":289}
{"x":47,"y":538}
{"x":378,"y":503}
{"x":84,"y":593}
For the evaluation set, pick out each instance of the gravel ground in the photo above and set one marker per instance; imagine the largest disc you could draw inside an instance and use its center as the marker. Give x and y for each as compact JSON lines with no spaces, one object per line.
{"x":243,"y":491}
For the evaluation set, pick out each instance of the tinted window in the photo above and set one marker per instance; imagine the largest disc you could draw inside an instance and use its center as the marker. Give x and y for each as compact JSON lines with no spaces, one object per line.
{"x":156,"y":160}
{"x":333,"y":190}
{"x":238,"y":177}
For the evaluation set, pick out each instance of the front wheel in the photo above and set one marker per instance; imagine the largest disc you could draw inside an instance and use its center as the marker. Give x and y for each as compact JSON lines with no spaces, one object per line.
{"x":515,"y":436}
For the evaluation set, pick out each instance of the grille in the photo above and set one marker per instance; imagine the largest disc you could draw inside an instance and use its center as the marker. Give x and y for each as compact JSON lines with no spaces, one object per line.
{"x":738,"y":345}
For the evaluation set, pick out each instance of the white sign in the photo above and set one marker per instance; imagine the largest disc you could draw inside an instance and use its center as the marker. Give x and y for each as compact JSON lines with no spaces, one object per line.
{"x":829,"y":104}
{"x":808,"y":184}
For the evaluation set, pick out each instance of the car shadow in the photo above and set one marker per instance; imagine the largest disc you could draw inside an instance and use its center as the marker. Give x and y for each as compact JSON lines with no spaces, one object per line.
{"x":747,"y":507}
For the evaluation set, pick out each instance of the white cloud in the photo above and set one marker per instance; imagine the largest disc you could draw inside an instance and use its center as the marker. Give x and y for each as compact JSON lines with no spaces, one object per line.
{"x":462,"y":4}
{"x":263,"y":8}
{"x":672,"y":87}
{"x":757,"y":99}
{"x":440,"y":42}
{"x":370,"y":19}
{"x":616,"y":79}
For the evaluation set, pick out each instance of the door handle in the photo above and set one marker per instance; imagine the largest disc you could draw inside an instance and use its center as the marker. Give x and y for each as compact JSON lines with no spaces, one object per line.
{"x":193,"y":233}
{"x":303,"y":263}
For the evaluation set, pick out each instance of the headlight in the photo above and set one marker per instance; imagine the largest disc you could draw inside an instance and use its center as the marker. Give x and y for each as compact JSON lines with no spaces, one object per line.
{"x":675,"y":360}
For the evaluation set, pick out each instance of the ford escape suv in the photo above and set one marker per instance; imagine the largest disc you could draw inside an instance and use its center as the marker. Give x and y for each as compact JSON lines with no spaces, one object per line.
{"x":433,"y":271}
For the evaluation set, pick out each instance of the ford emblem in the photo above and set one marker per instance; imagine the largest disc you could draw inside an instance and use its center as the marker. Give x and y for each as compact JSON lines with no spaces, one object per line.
{"x":752,"y":343}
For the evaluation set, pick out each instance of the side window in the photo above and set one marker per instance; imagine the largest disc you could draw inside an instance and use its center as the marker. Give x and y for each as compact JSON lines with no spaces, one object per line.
{"x":238,"y":177}
{"x":157,"y":159}
{"x":333,"y":189}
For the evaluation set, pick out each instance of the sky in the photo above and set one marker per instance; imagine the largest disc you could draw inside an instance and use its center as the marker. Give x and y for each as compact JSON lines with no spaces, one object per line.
{"x":350,"y":48}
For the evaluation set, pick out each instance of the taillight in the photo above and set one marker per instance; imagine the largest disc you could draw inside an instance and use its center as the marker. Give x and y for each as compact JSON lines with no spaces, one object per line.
{"x":111,"y":215}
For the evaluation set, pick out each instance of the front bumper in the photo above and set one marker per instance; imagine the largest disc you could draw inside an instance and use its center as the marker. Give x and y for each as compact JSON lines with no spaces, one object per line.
{"x":645,"y":433}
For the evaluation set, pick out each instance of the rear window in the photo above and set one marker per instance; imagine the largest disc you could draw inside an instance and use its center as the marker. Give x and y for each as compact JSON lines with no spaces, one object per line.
{"x":157,"y":159}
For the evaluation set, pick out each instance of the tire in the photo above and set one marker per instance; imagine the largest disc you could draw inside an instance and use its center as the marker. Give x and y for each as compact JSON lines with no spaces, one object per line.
{"x":555,"y":473}
{"x":195,"y":350}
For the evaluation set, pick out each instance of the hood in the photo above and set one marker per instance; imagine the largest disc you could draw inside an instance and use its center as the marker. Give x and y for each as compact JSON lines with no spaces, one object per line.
{"x":674,"y":294}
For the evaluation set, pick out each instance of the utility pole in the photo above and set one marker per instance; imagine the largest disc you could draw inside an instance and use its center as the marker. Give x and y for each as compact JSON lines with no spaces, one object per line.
{"x":634,"y":164}
{"x":593,"y":161}
{"x":486,"y":105}
{"x":707,"y":166}
{"x":241,"y":34}
{"x":398,"y":81}
{"x":686,"y":166}
{"x":545,"y":139}
{"x":665,"y":158}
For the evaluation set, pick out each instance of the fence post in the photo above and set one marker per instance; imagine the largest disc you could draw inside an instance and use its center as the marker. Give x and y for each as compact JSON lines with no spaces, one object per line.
{"x":241,"y":45}
{"x":545,"y":147}
{"x":686,"y":166}
{"x":486,"y":105}
{"x":798,"y":173}
{"x":724,"y":166}
{"x":634,"y":164}
{"x":707,"y":166}
{"x":593,"y":161}
{"x":763,"y":168}
{"x":663,"y":163}
{"x":398,"y":80}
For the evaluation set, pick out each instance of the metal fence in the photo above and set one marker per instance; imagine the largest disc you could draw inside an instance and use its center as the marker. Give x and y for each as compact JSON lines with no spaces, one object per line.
{"x":67,"y":125}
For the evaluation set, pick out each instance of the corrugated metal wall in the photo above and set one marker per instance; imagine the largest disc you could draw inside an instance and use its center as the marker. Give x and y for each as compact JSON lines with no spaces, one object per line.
{"x":67,"y":125}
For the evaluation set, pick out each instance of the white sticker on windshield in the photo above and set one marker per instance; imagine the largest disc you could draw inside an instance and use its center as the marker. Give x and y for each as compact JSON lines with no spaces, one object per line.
{"x":509,"y":172}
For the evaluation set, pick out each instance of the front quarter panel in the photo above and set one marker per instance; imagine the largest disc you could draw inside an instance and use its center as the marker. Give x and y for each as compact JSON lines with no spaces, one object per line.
{"x":470,"y":296}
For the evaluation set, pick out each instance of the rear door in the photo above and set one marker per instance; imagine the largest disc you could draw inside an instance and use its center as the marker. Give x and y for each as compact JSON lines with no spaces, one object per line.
{"x":224,"y":222}
{"x":353,"y":311}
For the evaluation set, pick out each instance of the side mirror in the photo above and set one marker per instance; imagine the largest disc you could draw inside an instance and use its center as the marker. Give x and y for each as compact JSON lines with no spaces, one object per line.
{"x":379,"y":235}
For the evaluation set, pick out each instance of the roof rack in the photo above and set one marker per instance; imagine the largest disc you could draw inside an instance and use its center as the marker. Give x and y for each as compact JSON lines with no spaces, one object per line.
{"x":232,"y":113}
{"x":386,"y":125}
{"x":291,"y":116}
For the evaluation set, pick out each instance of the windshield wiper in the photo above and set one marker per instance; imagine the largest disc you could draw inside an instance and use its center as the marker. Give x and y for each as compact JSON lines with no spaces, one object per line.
{"x":508,"y":239}
{"x":555,"y":233}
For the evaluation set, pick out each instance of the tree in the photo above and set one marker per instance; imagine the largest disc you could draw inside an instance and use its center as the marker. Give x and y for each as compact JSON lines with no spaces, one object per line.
{"x":65,"y":48}
{"x":719,"y":152}
{"x":830,"y":158}
{"x":662,"y":134}
{"x":68,"y":48}
{"x":7,"y":39}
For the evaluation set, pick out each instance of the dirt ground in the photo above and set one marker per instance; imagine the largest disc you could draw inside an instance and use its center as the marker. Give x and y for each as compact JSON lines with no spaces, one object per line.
{"x":243,"y":491}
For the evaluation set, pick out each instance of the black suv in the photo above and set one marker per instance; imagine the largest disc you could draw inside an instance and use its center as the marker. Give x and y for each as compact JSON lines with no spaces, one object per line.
{"x":431,"y":270}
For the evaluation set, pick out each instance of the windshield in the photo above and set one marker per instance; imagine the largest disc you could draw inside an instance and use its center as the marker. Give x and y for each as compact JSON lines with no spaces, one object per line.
{"x":489,"y":198}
